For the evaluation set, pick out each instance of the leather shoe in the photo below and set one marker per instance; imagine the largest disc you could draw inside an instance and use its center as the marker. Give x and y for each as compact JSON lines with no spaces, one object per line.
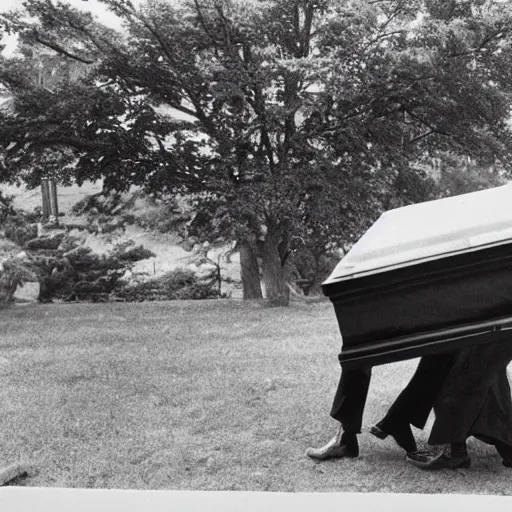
{"x":505,"y":451}
{"x":402,"y":434}
{"x":426,"y":459}
{"x":333,"y":450}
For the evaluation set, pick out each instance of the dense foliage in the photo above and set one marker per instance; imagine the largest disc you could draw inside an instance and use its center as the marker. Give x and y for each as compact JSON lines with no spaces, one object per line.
{"x":294,"y":123}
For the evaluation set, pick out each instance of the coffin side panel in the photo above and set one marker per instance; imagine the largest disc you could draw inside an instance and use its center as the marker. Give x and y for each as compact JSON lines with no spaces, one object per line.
{"x":428,"y":306}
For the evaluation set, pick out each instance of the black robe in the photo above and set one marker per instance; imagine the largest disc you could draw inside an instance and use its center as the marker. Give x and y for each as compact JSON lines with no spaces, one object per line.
{"x":475,"y":399}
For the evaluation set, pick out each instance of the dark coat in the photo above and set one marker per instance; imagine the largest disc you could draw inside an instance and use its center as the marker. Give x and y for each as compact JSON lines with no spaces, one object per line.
{"x":475,"y":399}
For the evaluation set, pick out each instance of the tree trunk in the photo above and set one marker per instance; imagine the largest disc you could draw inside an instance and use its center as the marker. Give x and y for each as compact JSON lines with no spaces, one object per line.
{"x":274,"y":277}
{"x":250,"y":272}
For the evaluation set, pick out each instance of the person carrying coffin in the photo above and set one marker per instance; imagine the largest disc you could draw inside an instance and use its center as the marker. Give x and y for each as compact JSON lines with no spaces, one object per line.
{"x":412,"y":407}
{"x":474,"y":401}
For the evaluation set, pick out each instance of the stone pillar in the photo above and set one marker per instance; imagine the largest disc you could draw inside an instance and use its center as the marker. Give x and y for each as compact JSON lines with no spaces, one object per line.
{"x":54,"y":206}
{"x":45,"y":191}
{"x":50,"y":203}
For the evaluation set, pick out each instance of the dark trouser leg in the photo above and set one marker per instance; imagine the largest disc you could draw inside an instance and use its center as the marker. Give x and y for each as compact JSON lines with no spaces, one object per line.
{"x":347,"y":408}
{"x":415,"y":402}
{"x":350,"y":399}
{"x":458,"y":449}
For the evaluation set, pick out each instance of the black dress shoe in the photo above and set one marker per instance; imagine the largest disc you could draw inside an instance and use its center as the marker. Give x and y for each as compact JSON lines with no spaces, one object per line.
{"x":426,"y":459}
{"x":402,"y":434}
{"x":505,"y":451}
{"x":333,"y":450}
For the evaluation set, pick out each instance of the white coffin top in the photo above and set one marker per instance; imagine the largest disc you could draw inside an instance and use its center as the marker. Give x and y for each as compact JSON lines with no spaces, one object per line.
{"x":425,"y":231}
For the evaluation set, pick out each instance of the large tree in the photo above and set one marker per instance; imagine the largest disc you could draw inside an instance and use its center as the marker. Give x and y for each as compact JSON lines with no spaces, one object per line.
{"x":295,"y":122}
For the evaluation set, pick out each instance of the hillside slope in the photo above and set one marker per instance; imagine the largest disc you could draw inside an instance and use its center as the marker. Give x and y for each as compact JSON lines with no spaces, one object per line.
{"x":170,"y":250}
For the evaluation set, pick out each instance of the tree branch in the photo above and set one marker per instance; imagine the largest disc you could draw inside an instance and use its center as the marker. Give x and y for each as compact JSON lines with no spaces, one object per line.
{"x":55,"y":47}
{"x":306,"y":32}
{"x":382,"y":36}
{"x":202,"y":22}
{"x":486,"y":40}
{"x":200,"y":114}
{"x":425,"y":135}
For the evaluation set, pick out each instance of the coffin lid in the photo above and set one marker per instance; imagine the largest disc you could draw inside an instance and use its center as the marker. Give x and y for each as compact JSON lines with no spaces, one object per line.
{"x":430,"y":230}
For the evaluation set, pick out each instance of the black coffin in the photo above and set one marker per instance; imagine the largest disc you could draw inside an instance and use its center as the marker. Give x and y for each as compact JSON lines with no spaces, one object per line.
{"x":427,"y":278}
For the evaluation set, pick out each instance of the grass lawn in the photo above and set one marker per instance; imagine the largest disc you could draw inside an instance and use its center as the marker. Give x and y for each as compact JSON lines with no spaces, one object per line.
{"x":206,"y":395}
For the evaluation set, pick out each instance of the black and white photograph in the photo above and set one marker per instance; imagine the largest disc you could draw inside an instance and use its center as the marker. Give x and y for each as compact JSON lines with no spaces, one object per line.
{"x":256,"y":248}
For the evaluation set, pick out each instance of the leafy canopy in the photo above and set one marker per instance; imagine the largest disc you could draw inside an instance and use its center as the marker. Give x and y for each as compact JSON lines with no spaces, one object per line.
{"x":297,"y":117}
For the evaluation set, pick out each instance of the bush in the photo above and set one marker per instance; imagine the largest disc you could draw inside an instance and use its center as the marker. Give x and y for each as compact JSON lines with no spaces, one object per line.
{"x":13,"y":272}
{"x":45,"y":242}
{"x":127,"y":252}
{"x":178,"y":284}
{"x":103,"y":212}
{"x":80,"y":274}
{"x":167,"y":218}
{"x":6,"y":207}
{"x":100,"y":203}
{"x":19,"y":231}
{"x":307,"y":267}
{"x":56,"y":277}
{"x":17,"y":226}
